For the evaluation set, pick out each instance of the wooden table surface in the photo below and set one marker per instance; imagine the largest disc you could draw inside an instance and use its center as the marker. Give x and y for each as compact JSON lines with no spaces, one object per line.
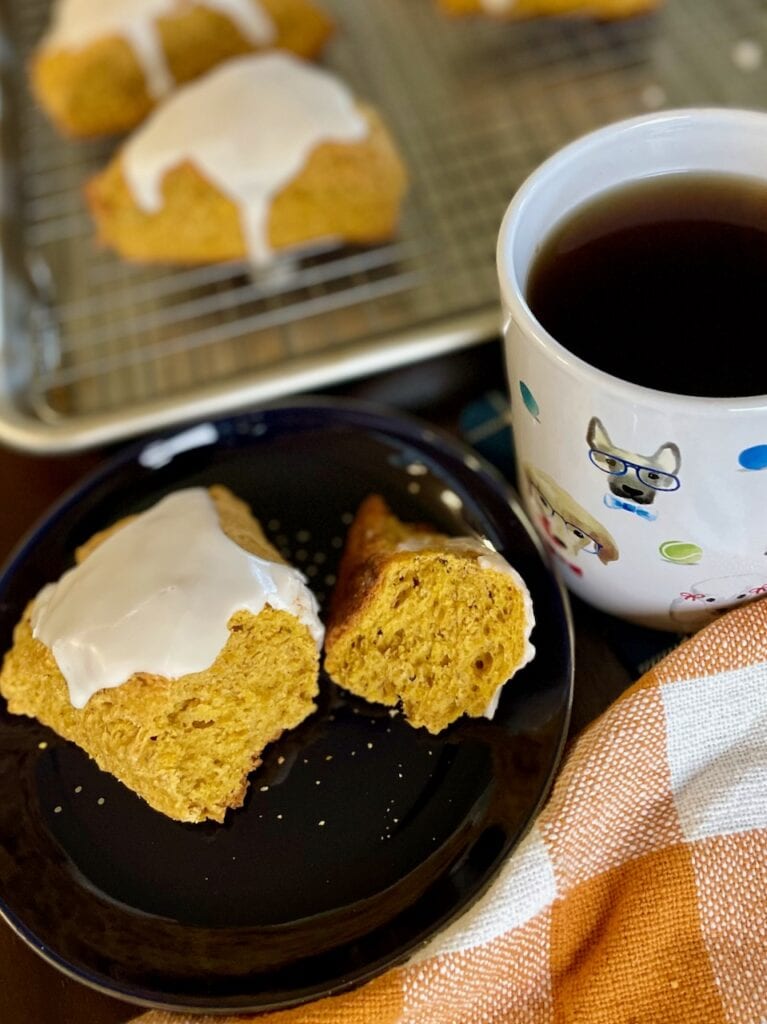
{"x":32,"y":992}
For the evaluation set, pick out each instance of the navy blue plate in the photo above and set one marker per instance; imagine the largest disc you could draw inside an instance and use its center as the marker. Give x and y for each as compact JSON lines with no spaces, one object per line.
{"x":360,"y":836}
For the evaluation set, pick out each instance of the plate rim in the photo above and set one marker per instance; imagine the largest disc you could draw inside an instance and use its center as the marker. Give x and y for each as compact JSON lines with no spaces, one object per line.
{"x":426,"y":433}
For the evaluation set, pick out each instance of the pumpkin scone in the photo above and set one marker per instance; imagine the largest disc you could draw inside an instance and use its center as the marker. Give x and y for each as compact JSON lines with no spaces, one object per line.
{"x":104,"y":64}
{"x":176,"y":649}
{"x":603,"y":9}
{"x":267,"y":153}
{"x":436,"y":623}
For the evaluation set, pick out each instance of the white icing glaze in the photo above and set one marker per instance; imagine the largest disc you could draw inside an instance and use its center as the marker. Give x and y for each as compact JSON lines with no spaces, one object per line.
{"x":498,"y":6}
{"x":248,"y":127}
{"x":156,"y":597}
{"x":486,"y":558}
{"x":76,"y":23}
{"x":161,"y":453}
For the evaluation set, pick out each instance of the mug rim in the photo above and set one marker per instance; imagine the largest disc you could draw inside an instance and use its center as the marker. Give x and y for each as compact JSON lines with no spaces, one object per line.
{"x":512,"y":292}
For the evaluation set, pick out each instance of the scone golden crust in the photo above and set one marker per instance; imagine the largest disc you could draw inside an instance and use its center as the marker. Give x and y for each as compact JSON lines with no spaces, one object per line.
{"x":185,"y":745}
{"x":346,"y":191}
{"x":417,"y":618}
{"x":604,"y":9}
{"x":101,"y":88}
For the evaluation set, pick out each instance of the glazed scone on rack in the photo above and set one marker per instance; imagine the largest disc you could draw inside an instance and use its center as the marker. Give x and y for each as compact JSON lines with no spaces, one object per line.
{"x":179,"y":646}
{"x":603,"y":9}
{"x":103,"y":64}
{"x":436,"y":623}
{"x":266,"y":153}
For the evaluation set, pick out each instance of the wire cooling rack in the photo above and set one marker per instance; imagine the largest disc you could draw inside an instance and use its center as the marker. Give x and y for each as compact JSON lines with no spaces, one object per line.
{"x":94,"y":349}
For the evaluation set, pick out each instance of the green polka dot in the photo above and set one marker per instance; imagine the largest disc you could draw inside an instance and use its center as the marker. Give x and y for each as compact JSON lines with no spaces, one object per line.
{"x":681,"y":552}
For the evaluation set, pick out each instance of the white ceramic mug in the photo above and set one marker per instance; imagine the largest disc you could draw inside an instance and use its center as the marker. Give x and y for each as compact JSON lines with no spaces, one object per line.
{"x":695,"y":543}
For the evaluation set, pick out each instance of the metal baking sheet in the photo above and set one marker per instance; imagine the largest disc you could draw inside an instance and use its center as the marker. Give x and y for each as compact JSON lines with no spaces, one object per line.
{"x":94,"y":349}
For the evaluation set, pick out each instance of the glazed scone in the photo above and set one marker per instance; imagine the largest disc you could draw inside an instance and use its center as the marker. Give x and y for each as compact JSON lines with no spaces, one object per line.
{"x":266,"y":153}
{"x":104,"y":64}
{"x":175,"y":651}
{"x":437,"y":623}
{"x":604,"y":9}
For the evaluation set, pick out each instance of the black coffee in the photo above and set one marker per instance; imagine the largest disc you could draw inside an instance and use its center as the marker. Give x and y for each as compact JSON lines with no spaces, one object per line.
{"x":663,"y":283}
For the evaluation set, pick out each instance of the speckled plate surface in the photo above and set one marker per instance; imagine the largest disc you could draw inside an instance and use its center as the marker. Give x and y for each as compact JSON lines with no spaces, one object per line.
{"x":360,"y":836}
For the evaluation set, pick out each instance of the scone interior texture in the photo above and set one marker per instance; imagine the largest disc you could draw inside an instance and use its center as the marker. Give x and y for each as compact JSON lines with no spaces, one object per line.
{"x":605,"y":9}
{"x":436,"y":623}
{"x":266,"y":153}
{"x":103,"y":64}
{"x":184,"y":744}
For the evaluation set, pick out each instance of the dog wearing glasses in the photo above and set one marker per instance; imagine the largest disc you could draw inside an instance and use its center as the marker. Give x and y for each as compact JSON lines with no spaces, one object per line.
{"x":567,"y":527}
{"x":632,"y":477}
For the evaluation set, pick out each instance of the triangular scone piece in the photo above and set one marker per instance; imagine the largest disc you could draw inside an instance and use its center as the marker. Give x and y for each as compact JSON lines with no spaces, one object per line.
{"x":186,"y":744}
{"x":438,"y":623}
{"x":266,"y":153}
{"x":603,"y":9}
{"x":104,"y":64}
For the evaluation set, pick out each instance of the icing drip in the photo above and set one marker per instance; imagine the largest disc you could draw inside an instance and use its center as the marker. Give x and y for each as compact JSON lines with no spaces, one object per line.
{"x":248,"y":127}
{"x":498,"y":6}
{"x":76,"y":23}
{"x":156,"y":597}
{"x":145,"y":41}
{"x":486,"y":557}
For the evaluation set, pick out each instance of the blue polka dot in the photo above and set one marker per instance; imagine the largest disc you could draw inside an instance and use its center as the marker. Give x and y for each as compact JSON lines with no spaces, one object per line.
{"x":754,"y":458}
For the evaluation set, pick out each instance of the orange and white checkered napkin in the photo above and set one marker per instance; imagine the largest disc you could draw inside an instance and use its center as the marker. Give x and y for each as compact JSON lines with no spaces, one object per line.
{"x":641,"y":893}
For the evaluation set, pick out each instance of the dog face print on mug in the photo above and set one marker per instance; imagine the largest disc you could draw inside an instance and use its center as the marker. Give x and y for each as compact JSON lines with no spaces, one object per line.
{"x":634,"y":480}
{"x":569,"y":530}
